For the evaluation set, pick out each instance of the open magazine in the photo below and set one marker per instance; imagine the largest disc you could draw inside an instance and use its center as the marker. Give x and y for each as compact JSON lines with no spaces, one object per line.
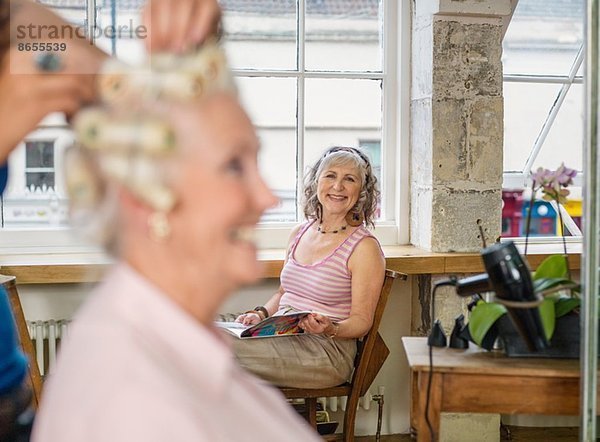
{"x":276,"y":325}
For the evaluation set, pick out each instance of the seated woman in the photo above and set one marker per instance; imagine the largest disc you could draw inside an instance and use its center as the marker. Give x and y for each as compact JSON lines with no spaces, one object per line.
{"x":334,"y":267}
{"x":170,"y":188}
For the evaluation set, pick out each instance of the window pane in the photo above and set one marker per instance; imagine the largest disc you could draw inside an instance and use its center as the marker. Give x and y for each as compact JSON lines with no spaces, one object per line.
{"x":43,"y":180}
{"x":39,"y":154}
{"x":344,"y":35}
{"x":271,"y":104}
{"x":526,"y":106}
{"x":565,"y":139}
{"x":340,"y":112}
{"x":260,"y":34}
{"x":373,"y":149}
{"x":543,"y":37}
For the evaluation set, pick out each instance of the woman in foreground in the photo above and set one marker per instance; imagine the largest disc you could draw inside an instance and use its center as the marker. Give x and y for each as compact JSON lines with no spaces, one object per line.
{"x":142,"y":361}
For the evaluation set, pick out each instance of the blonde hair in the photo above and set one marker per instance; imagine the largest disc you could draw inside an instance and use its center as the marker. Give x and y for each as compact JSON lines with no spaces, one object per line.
{"x":341,"y":155}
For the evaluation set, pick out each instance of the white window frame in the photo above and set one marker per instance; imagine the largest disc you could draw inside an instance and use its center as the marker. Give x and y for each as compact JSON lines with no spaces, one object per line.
{"x":60,"y":245}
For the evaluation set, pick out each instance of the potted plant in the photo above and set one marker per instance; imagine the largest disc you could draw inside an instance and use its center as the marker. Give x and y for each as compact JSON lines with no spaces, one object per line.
{"x":552,"y":281}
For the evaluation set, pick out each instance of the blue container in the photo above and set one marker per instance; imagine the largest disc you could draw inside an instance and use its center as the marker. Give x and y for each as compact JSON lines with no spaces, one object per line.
{"x":543,"y":219}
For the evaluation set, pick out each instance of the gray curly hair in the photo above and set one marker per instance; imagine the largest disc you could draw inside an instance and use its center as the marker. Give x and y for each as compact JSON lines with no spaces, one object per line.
{"x":341,"y":155}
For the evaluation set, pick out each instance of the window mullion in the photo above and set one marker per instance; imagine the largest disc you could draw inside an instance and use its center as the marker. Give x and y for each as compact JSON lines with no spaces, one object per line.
{"x":300,"y":93}
{"x":90,"y":15}
{"x":389,"y":104}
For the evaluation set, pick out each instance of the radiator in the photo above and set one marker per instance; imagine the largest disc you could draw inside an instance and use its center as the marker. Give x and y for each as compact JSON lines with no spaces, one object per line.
{"x":46,"y":337}
{"x":339,"y":403}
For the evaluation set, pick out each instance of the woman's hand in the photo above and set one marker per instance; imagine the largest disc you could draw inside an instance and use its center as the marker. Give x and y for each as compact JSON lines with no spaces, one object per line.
{"x":179,"y":25}
{"x":248,"y":318}
{"x":316,"y":324}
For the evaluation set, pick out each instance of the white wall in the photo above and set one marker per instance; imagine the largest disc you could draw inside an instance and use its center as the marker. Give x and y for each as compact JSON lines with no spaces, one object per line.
{"x":60,"y":301}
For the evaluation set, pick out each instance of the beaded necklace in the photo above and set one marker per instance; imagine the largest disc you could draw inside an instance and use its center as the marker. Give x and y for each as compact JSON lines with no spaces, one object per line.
{"x":320,"y":229}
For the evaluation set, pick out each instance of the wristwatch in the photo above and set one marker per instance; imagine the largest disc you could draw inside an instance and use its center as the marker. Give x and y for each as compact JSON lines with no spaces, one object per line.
{"x":263,"y":310}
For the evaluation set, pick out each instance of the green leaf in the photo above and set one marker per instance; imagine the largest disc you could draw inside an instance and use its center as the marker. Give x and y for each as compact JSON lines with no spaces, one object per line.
{"x":566,"y":305}
{"x":548,"y":316}
{"x":555,"y":266}
{"x":483,"y":317}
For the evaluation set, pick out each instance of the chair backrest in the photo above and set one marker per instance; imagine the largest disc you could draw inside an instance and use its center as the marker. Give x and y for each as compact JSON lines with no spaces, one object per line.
{"x":34,"y":378}
{"x":372,"y":351}
{"x":371,"y":355}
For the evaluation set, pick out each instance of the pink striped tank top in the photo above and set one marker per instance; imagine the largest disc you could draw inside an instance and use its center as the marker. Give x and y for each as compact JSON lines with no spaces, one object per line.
{"x":326,"y":286}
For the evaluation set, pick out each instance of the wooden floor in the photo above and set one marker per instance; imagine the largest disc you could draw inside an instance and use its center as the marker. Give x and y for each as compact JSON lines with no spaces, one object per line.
{"x":517,"y":434}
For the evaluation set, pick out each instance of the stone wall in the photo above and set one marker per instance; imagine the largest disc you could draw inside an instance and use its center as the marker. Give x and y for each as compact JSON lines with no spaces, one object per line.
{"x":456,"y":123}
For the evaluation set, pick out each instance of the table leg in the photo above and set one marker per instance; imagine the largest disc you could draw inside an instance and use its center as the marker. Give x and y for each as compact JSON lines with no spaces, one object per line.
{"x":435,"y":402}
{"x":414,"y":402}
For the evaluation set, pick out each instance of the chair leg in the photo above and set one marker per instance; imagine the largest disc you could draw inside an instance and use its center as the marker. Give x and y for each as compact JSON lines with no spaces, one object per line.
{"x":34,"y":377}
{"x":350,"y":417}
{"x":311,"y":411}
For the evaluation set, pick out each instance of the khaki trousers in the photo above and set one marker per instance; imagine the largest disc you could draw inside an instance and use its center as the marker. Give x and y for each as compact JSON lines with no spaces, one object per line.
{"x":299,"y":361}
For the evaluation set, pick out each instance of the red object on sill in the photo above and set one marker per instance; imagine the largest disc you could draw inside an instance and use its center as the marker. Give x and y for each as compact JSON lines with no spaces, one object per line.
{"x":512,"y":212}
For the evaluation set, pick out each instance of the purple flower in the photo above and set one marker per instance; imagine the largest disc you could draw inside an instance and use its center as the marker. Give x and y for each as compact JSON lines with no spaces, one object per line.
{"x":542,"y":177}
{"x":553,"y":183}
{"x":564,"y":176}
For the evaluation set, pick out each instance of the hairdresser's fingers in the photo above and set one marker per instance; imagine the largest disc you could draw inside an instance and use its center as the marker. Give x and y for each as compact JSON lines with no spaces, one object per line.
{"x":181,"y":21}
{"x":178,"y":24}
{"x":205,"y":21}
{"x":156,"y":18}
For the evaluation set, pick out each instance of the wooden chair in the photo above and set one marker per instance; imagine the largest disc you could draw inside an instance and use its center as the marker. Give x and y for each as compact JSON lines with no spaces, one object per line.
{"x":372,"y":353}
{"x":34,"y":377}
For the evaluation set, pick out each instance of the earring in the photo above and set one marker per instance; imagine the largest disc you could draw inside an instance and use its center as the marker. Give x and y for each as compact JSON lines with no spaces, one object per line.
{"x":158,"y":223}
{"x":354,"y":218}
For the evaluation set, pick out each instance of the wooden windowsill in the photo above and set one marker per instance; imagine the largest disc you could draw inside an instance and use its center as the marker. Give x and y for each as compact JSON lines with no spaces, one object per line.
{"x":407,"y":259}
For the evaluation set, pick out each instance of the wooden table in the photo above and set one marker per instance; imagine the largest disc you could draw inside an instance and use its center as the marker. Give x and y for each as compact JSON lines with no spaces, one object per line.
{"x":477,"y":381}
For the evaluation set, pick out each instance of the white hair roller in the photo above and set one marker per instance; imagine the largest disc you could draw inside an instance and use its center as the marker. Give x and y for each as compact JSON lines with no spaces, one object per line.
{"x":129,"y":141}
{"x":142,"y":176}
{"x":98,"y":129}
{"x":167,"y":77}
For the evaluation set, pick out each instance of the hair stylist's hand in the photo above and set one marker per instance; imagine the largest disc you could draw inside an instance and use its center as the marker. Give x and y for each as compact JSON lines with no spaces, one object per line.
{"x":248,"y":318}
{"x":27,"y":94}
{"x":25,"y":99}
{"x":178,"y":25}
{"x":315,"y":323}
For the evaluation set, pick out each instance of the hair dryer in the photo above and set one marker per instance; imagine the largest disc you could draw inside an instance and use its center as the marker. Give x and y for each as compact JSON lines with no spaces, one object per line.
{"x":509,"y":277}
